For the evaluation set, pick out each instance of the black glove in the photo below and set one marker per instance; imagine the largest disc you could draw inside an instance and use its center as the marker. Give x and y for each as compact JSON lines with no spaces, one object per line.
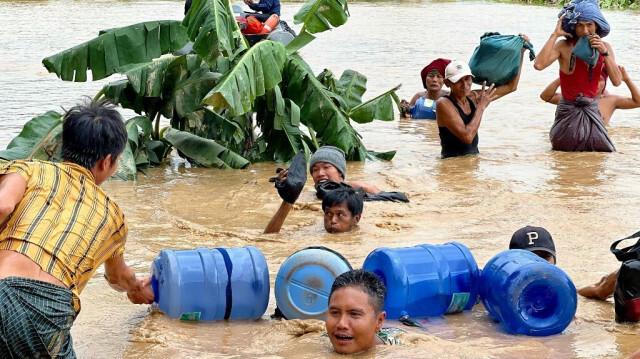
{"x":325,"y":186}
{"x":290,"y":189}
{"x":386,"y":196}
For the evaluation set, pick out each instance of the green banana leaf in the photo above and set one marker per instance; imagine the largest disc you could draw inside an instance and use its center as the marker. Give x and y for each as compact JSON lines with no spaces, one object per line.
{"x":319,"y":111}
{"x":379,"y":108}
{"x":351,"y":86}
{"x":327,"y":78}
{"x":189,"y":93}
{"x":212,"y":26}
{"x":139,"y":130}
{"x":204,"y":152}
{"x":40,"y":139}
{"x":147,"y":78}
{"x":258,"y":70}
{"x":117,"y":48}
{"x":208,"y":124}
{"x":317,"y":16}
{"x":152,"y":86}
{"x":320,"y":15}
{"x":281,"y":136}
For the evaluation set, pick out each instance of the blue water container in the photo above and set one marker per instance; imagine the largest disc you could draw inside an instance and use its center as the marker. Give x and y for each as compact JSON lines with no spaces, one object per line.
{"x":211,"y":284}
{"x":304,"y":282}
{"x":426,"y":280}
{"x":527,"y":294}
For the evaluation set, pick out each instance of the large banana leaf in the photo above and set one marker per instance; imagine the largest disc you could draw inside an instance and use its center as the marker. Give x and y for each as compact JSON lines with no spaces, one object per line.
{"x":153,"y":86}
{"x":204,"y":152}
{"x":320,"y":15}
{"x":189,"y":93}
{"x":351,"y":86}
{"x":40,"y":138}
{"x":228,"y":132}
{"x":279,"y":122}
{"x":212,"y":26}
{"x":317,"y":16}
{"x":258,"y":70}
{"x":380,"y":108}
{"x":319,"y":111}
{"x":135,"y":155}
{"x":116,"y":48}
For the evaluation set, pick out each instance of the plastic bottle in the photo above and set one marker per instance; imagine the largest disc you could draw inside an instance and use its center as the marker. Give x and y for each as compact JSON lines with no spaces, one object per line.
{"x":527,"y":294}
{"x":426,"y":280}
{"x":304,"y":282}
{"x":210,"y":284}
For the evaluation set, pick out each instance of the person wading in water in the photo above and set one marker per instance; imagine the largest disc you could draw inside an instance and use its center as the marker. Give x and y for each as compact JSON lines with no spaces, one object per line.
{"x":459,"y":114}
{"x":578,"y":124}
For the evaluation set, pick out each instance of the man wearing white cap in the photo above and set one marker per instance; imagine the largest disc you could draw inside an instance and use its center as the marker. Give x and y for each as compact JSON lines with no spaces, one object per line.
{"x":459,"y":114}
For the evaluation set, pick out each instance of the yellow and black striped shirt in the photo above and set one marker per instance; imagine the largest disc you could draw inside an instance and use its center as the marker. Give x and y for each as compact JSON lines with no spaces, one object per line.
{"x":64,"y":222}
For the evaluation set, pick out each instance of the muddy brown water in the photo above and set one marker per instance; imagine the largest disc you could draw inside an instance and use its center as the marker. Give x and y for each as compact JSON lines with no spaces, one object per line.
{"x":586,"y":200}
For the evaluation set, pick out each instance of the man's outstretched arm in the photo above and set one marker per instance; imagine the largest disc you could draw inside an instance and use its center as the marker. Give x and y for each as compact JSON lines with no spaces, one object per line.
{"x":123,"y":279}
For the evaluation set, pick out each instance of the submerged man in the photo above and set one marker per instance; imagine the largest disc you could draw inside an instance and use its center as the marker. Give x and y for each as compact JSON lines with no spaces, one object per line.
{"x":459,"y":114}
{"x":423,"y":104}
{"x":57,"y":226}
{"x":578,"y":125}
{"x":355,"y":315}
{"x":342,"y":206}
{"x":535,"y":239}
{"x":607,"y":103}
{"x":329,"y":163}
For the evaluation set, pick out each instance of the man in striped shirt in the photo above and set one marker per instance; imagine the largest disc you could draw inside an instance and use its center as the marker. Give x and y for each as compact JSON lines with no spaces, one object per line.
{"x":57,"y":226}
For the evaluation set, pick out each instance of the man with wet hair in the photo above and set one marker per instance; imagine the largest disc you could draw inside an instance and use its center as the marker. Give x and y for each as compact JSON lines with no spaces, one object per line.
{"x":355,"y":315}
{"x":57,"y":226}
{"x":342,"y":209}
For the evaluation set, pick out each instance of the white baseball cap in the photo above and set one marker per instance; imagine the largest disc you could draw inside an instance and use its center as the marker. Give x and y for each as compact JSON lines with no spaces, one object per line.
{"x":457,"y":70}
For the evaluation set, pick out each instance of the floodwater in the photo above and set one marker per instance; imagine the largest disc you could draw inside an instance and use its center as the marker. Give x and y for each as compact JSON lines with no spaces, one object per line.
{"x":586,"y":200}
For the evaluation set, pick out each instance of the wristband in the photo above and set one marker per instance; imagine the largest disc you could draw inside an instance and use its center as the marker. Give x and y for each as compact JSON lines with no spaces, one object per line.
{"x":606,"y":53}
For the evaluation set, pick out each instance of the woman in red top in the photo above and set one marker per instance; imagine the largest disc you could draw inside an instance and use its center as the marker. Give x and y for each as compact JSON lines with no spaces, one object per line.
{"x":578,"y":125}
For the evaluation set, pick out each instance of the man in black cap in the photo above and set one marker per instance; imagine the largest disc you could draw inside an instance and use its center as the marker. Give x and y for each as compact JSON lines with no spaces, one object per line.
{"x":535,"y":239}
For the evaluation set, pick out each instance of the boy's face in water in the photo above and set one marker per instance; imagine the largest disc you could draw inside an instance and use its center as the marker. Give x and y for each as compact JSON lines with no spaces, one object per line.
{"x":338,"y":218}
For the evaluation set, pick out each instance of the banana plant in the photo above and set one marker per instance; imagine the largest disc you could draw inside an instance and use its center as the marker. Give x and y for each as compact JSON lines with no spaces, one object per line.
{"x":228,"y":104}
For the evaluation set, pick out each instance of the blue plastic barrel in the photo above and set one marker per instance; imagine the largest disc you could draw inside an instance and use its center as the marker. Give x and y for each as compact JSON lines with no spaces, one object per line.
{"x":210,"y":284}
{"x":304,"y":282}
{"x":527,"y":294}
{"x":426,"y":280}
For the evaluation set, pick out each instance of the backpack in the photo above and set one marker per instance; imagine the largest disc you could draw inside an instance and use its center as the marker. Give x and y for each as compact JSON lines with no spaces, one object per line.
{"x":627,"y":292}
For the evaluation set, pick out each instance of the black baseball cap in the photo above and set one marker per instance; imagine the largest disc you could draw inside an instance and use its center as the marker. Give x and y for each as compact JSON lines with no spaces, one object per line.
{"x":533,"y":239}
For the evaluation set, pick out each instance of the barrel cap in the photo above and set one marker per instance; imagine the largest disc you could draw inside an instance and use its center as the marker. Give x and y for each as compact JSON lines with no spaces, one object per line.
{"x":304,"y":282}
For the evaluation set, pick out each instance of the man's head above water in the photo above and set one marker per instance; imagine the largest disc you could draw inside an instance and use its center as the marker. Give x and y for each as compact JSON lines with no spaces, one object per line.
{"x":535,"y":239}
{"x":328,"y":163}
{"x":342,"y":209}
{"x":355,"y":313}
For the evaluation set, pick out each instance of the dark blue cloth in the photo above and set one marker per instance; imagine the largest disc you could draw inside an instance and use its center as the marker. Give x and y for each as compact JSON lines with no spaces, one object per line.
{"x":267,"y":7}
{"x":583,"y":10}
